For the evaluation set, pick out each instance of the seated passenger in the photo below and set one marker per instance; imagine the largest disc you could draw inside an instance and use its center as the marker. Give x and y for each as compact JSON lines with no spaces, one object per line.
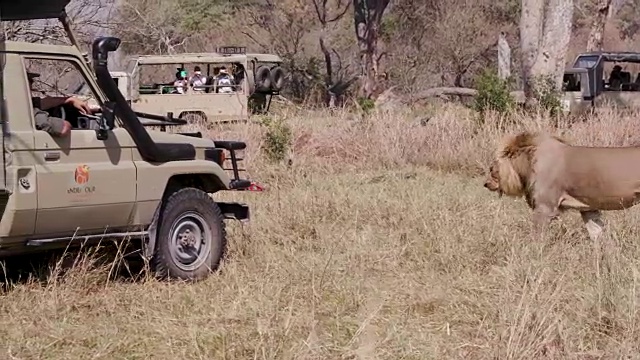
{"x":615,"y":77}
{"x":224,"y":81}
{"x":180,"y":84}
{"x":238,"y":75}
{"x":54,"y":125}
{"x":197,"y":81}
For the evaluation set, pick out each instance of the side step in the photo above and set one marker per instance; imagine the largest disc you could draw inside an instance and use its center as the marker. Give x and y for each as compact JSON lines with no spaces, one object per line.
{"x":121,"y":235}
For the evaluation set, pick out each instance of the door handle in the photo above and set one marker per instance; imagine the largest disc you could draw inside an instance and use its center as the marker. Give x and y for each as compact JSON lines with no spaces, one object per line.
{"x":52,"y":156}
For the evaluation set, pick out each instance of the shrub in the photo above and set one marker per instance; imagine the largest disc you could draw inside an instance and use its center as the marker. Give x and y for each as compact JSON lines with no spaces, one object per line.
{"x":493,"y":94}
{"x":277,"y":139}
{"x":367,"y":105}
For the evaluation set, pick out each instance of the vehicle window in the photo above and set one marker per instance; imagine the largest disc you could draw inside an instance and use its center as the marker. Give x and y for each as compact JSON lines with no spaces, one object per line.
{"x":173,"y":79}
{"x":587,"y":61}
{"x":624,"y":79}
{"x":57,"y":78}
{"x":571,"y":82}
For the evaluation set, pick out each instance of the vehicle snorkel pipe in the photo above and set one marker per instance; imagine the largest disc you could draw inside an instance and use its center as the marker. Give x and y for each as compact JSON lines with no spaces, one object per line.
{"x":149,"y":150}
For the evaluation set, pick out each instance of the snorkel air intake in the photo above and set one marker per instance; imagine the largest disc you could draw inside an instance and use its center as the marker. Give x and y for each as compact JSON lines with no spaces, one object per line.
{"x":149,"y":150}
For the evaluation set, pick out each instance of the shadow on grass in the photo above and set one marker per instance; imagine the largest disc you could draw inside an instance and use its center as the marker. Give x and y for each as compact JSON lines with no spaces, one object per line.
{"x":104,"y":262}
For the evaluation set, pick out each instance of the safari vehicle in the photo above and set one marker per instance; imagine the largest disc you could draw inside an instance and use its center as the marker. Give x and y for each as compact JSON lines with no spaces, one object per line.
{"x":576,"y":96}
{"x":109,"y":178}
{"x":148,"y":84}
{"x":586,"y":85}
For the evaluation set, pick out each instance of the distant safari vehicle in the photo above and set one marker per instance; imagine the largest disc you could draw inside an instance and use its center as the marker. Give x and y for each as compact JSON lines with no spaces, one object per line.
{"x":149,"y":84}
{"x":585,"y":85}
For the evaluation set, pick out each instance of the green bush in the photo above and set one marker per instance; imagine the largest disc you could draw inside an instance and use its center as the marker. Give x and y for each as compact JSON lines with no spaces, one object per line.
{"x":367,"y":105}
{"x":493,"y":94}
{"x":277,"y":139}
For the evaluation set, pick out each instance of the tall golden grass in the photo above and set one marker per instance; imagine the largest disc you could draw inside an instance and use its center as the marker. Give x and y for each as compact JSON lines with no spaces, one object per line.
{"x":377,"y":241}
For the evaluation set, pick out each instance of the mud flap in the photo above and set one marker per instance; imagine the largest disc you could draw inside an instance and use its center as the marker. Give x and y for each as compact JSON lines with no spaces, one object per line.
{"x":149,"y":246}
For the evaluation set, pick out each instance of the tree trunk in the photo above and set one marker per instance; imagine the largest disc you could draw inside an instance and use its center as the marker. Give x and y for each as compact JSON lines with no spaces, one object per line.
{"x":367,"y":16}
{"x":545,"y":31}
{"x":504,"y":57}
{"x":325,"y":19}
{"x":531,"y":19}
{"x":603,"y":11}
{"x":362,"y":34}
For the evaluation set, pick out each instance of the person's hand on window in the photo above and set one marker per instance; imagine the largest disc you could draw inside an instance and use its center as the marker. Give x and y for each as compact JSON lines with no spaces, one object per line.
{"x":82,"y":106}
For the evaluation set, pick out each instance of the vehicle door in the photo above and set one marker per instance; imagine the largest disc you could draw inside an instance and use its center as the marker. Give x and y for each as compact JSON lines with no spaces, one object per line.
{"x":19,"y":173}
{"x":85,"y":185}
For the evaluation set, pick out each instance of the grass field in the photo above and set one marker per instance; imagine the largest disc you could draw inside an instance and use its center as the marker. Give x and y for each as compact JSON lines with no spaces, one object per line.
{"x":377,"y":242}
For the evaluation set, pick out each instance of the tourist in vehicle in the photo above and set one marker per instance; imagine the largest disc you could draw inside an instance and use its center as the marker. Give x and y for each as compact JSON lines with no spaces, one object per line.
{"x":224,"y":81}
{"x":197,"y":81}
{"x":615,"y":77}
{"x":180,"y":84}
{"x":54,"y":125}
{"x":238,"y":75}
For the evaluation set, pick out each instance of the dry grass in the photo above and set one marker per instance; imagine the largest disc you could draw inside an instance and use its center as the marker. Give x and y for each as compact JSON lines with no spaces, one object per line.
{"x":378,"y":242}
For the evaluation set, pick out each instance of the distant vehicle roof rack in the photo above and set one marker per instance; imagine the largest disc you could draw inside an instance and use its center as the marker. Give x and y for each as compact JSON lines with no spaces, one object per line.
{"x":231,"y":50}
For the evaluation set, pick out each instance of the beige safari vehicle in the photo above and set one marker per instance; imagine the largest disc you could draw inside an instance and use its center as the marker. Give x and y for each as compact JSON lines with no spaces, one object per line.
{"x":590,"y":83}
{"x":110,"y":178}
{"x":576,"y":92}
{"x":148,"y":84}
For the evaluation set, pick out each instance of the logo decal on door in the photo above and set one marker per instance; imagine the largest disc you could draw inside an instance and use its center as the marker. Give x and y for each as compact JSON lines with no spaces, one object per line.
{"x":81,"y":175}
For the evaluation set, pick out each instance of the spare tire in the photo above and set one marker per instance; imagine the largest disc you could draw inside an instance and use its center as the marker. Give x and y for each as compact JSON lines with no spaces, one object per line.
{"x":277,"y":78}
{"x":263,"y":79}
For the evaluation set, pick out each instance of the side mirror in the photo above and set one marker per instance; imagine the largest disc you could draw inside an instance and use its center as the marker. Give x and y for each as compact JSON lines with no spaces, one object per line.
{"x":108,"y":115}
{"x":107,"y":120}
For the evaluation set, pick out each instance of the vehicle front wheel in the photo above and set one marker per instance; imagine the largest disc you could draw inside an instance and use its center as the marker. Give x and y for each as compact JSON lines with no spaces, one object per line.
{"x":191,"y":236}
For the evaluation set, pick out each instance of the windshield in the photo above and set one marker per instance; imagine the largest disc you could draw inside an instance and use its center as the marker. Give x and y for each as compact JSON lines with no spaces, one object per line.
{"x":571,"y":82}
{"x":586,"y":62}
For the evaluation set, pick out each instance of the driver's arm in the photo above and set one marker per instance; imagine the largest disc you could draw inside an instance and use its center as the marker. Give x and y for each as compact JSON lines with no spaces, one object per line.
{"x":53,"y":125}
{"x":53,"y":101}
{"x":49,"y":102}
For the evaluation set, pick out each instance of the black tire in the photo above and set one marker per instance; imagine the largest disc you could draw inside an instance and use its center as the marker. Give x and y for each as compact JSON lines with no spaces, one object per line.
{"x":189,"y":208}
{"x":277,"y":78}
{"x":263,"y":79}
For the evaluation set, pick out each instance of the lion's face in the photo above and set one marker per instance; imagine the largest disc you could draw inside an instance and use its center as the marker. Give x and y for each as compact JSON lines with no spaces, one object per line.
{"x":492,"y":181}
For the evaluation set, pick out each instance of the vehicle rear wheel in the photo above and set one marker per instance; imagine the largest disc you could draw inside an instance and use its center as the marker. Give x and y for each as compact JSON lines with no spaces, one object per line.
{"x":191,"y":238}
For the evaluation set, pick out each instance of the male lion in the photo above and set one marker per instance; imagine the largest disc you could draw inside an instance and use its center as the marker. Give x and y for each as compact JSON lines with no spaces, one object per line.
{"x":555,"y":176}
